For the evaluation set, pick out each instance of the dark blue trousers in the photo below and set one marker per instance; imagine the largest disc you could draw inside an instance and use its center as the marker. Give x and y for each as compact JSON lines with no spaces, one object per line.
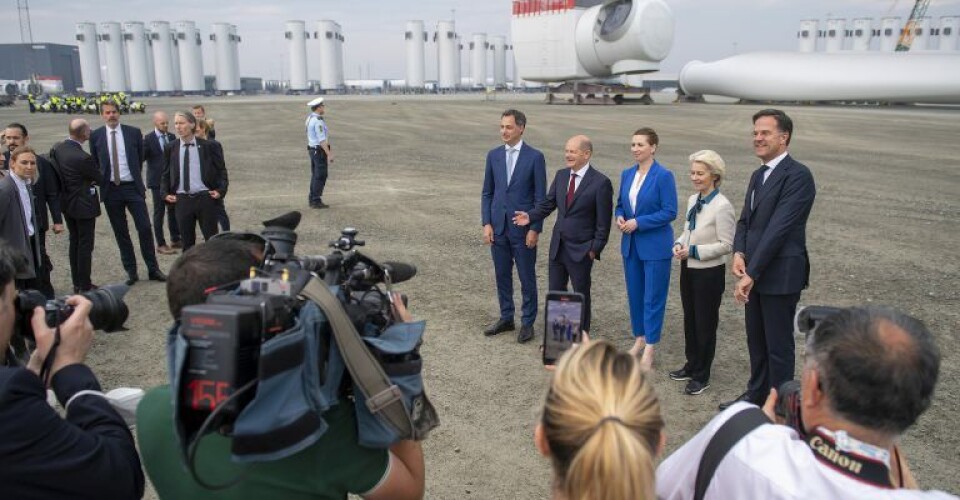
{"x":119,"y":200}
{"x":509,"y":248}
{"x":769,"y":322}
{"x":318,"y":175}
{"x":160,"y":209}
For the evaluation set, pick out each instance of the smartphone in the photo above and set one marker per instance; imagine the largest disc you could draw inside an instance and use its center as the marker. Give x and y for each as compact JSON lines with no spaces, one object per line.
{"x":564,"y":315}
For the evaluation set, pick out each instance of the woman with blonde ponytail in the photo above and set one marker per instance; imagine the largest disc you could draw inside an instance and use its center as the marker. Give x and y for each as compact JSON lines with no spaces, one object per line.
{"x":601,"y":426}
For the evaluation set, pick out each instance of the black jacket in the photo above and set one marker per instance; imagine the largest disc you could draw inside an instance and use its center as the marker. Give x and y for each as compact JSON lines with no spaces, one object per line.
{"x":78,"y":174}
{"x":153,"y":156}
{"x":213,"y":171}
{"x":46,"y":192}
{"x":132,"y":145}
{"x":585,"y":225}
{"x":89,"y":454}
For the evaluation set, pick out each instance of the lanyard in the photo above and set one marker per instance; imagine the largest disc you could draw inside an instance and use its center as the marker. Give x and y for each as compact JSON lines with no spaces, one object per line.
{"x":851,"y":457}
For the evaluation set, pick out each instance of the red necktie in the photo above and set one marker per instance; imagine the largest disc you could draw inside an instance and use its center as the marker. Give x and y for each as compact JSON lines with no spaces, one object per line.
{"x":571,"y":188}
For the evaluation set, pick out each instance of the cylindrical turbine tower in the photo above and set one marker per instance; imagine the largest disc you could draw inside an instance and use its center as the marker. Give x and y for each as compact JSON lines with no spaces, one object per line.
{"x":329,"y":37}
{"x":948,"y":34}
{"x":921,"y":34}
{"x":296,"y":36}
{"x":175,"y":61}
{"x":498,"y":44}
{"x":113,"y":51}
{"x":235,"y":55}
{"x":862,"y":34}
{"x":889,"y":33}
{"x":834,"y":35}
{"x":478,"y":59}
{"x":89,"y":57}
{"x":223,"y":52}
{"x":448,"y":55}
{"x":162,"y":58}
{"x":415,"y":37}
{"x":151,"y":72}
{"x":135,"y":43}
{"x":807,"y":36}
{"x":191,"y":61}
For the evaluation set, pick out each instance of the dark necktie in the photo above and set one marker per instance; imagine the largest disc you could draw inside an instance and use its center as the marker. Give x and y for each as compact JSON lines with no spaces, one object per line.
{"x":186,"y":168}
{"x":572,"y":188}
{"x":163,"y":141}
{"x":763,"y":173}
{"x":115,"y":158}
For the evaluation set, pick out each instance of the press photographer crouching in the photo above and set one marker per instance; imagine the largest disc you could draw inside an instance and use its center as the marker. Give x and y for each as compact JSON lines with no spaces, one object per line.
{"x":868,"y":375}
{"x":271,"y":399}
{"x":88,"y":454}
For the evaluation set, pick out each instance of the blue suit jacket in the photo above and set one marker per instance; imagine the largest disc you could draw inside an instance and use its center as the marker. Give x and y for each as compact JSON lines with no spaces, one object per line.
{"x":584,"y":226}
{"x":153,"y":155}
{"x":132,"y":143}
{"x":527,"y":187}
{"x":772,"y":234}
{"x":656,"y":210}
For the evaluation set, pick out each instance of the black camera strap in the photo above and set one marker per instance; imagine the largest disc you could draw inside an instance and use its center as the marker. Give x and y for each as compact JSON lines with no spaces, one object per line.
{"x":383,"y":397}
{"x":727,"y":436}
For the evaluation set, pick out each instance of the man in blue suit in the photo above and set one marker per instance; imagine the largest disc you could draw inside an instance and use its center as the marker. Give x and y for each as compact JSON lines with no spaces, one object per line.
{"x":770,"y":254}
{"x":118,"y":150}
{"x":154,"y":142}
{"x":515,"y":179}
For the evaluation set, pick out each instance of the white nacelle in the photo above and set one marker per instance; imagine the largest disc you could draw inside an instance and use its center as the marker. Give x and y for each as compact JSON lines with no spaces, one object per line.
{"x":568,"y":40}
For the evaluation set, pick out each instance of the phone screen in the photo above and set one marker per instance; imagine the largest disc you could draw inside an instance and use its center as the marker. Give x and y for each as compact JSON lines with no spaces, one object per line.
{"x":564,"y":314}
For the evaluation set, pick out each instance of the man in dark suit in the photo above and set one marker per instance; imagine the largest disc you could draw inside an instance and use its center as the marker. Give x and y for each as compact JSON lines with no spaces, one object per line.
{"x":46,"y":191}
{"x":154,"y":143}
{"x":584,"y":197}
{"x":118,"y":150}
{"x":515,"y":179}
{"x":88,"y":453}
{"x":770,"y":254}
{"x":194,"y":178}
{"x":18,"y":216}
{"x":79,"y":178}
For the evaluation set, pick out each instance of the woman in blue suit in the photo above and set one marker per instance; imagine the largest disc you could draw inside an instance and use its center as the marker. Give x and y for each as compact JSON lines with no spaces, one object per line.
{"x":646,"y":207}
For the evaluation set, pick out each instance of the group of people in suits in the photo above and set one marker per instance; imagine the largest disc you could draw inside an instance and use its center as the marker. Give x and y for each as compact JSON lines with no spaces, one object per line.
{"x":186,"y":189}
{"x":768,"y":242}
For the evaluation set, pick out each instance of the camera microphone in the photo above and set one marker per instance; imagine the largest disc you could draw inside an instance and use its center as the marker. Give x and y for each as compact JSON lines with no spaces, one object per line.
{"x":400,"y":271}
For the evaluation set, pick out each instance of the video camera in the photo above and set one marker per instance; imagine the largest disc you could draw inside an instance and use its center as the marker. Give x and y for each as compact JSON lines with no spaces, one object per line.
{"x":224,"y":335}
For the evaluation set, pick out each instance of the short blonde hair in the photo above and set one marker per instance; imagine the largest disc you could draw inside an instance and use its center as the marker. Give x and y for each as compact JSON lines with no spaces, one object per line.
{"x":713,"y":162}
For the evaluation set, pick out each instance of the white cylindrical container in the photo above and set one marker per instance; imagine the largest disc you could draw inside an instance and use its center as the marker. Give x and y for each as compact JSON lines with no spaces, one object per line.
{"x":478,"y":59}
{"x":135,"y":44}
{"x":415,"y":38}
{"x":162,"y":58}
{"x":235,"y":55}
{"x":296,"y":36}
{"x":458,"y":62}
{"x":834,"y":35}
{"x":112,"y":39}
{"x":929,"y":77}
{"x":807,"y":36}
{"x":223,"y":56}
{"x":861,"y":34}
{"x":948,"y":34}
{"x":921,"y":34}
{"x":331,"y":73}
{"x":889,"y":33}
{"x":175,"y":61}
{"x":89,"y":57}
{"x":191,"y":61}
{"x":498,"y":44}
{"x":151,"y":73}
{"x":340,"y":41}
{"x":448,"y":54}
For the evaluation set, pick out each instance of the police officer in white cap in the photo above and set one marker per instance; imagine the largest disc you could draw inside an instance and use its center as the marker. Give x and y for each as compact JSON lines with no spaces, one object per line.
{"x":318,"y":147}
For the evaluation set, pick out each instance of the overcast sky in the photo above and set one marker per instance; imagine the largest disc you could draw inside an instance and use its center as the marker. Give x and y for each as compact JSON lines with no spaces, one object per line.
{"x":373,"y":29}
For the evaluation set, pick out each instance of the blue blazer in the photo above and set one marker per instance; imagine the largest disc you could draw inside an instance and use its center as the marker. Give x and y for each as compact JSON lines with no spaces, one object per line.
{"x":527,"y":187}
{"x":656,"y":211}
{"x":153,"y":155}
{"x":132,"y":143}
{"x":772,"y":233}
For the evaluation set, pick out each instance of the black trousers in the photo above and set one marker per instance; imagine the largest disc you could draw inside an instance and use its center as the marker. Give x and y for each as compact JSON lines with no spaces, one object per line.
{"x":160,"y":209}
{"x":118,"y":201}
{"x":192,"y":209}
{"x":82,"y":233}
{"x":701,"y":291}
{"x":44,"y":267}
{"x":769,"y":321}
{"x":564,"y":269}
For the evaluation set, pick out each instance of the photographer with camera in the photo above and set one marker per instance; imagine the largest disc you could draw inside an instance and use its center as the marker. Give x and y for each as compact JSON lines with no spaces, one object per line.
{"x":329,"y":467}
{"x":868,"y":375}
{"x":88,"y":454}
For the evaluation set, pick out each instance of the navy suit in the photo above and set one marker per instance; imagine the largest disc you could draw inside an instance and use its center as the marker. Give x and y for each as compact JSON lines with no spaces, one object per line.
{"x":87,"y":454}
{"x":647,"y":251}
{"x":498,"y":202}
{"x":153,"y":156}
{"x":581,"y":228}
{"x":130,"y":195}
{"x":771,"y":234}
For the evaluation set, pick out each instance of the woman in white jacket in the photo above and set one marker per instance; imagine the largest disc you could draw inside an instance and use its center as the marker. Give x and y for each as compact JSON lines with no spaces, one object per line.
{"x":702,"y":249}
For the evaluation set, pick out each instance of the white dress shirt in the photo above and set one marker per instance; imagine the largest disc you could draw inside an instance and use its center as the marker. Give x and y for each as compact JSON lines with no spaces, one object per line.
{"x":635,"y":187}
{"x":125,"y":175}
{"x":580,"y":173}
{"x":772,"y":462}
{"x":512,"y":162}
{"x":24,"y":201}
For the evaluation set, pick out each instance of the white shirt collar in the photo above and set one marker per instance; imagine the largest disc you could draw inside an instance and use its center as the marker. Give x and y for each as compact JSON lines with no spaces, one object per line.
{"x":516,"y":147}
{"x":582,"y":172}
{"x":21,"y":183}
{"x":776,"y":161}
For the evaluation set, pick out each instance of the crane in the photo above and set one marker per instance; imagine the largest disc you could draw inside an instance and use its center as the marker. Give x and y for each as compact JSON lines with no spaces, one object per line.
{"x":909,"y":29}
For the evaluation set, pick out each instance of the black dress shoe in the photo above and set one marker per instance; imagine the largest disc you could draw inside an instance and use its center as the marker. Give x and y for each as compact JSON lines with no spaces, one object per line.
{"x":526,"y":334}
{"x":746,"y":397}
{"x":158,"y":276}
{"x":500,"y":326}
{"x":133,"y":278}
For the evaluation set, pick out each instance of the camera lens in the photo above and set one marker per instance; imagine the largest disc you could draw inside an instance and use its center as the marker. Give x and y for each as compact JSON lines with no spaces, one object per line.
{"x":109,"y":312}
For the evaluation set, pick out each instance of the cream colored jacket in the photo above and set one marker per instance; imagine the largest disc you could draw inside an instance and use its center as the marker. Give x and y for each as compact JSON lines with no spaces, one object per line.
{"x":713,"y":236}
